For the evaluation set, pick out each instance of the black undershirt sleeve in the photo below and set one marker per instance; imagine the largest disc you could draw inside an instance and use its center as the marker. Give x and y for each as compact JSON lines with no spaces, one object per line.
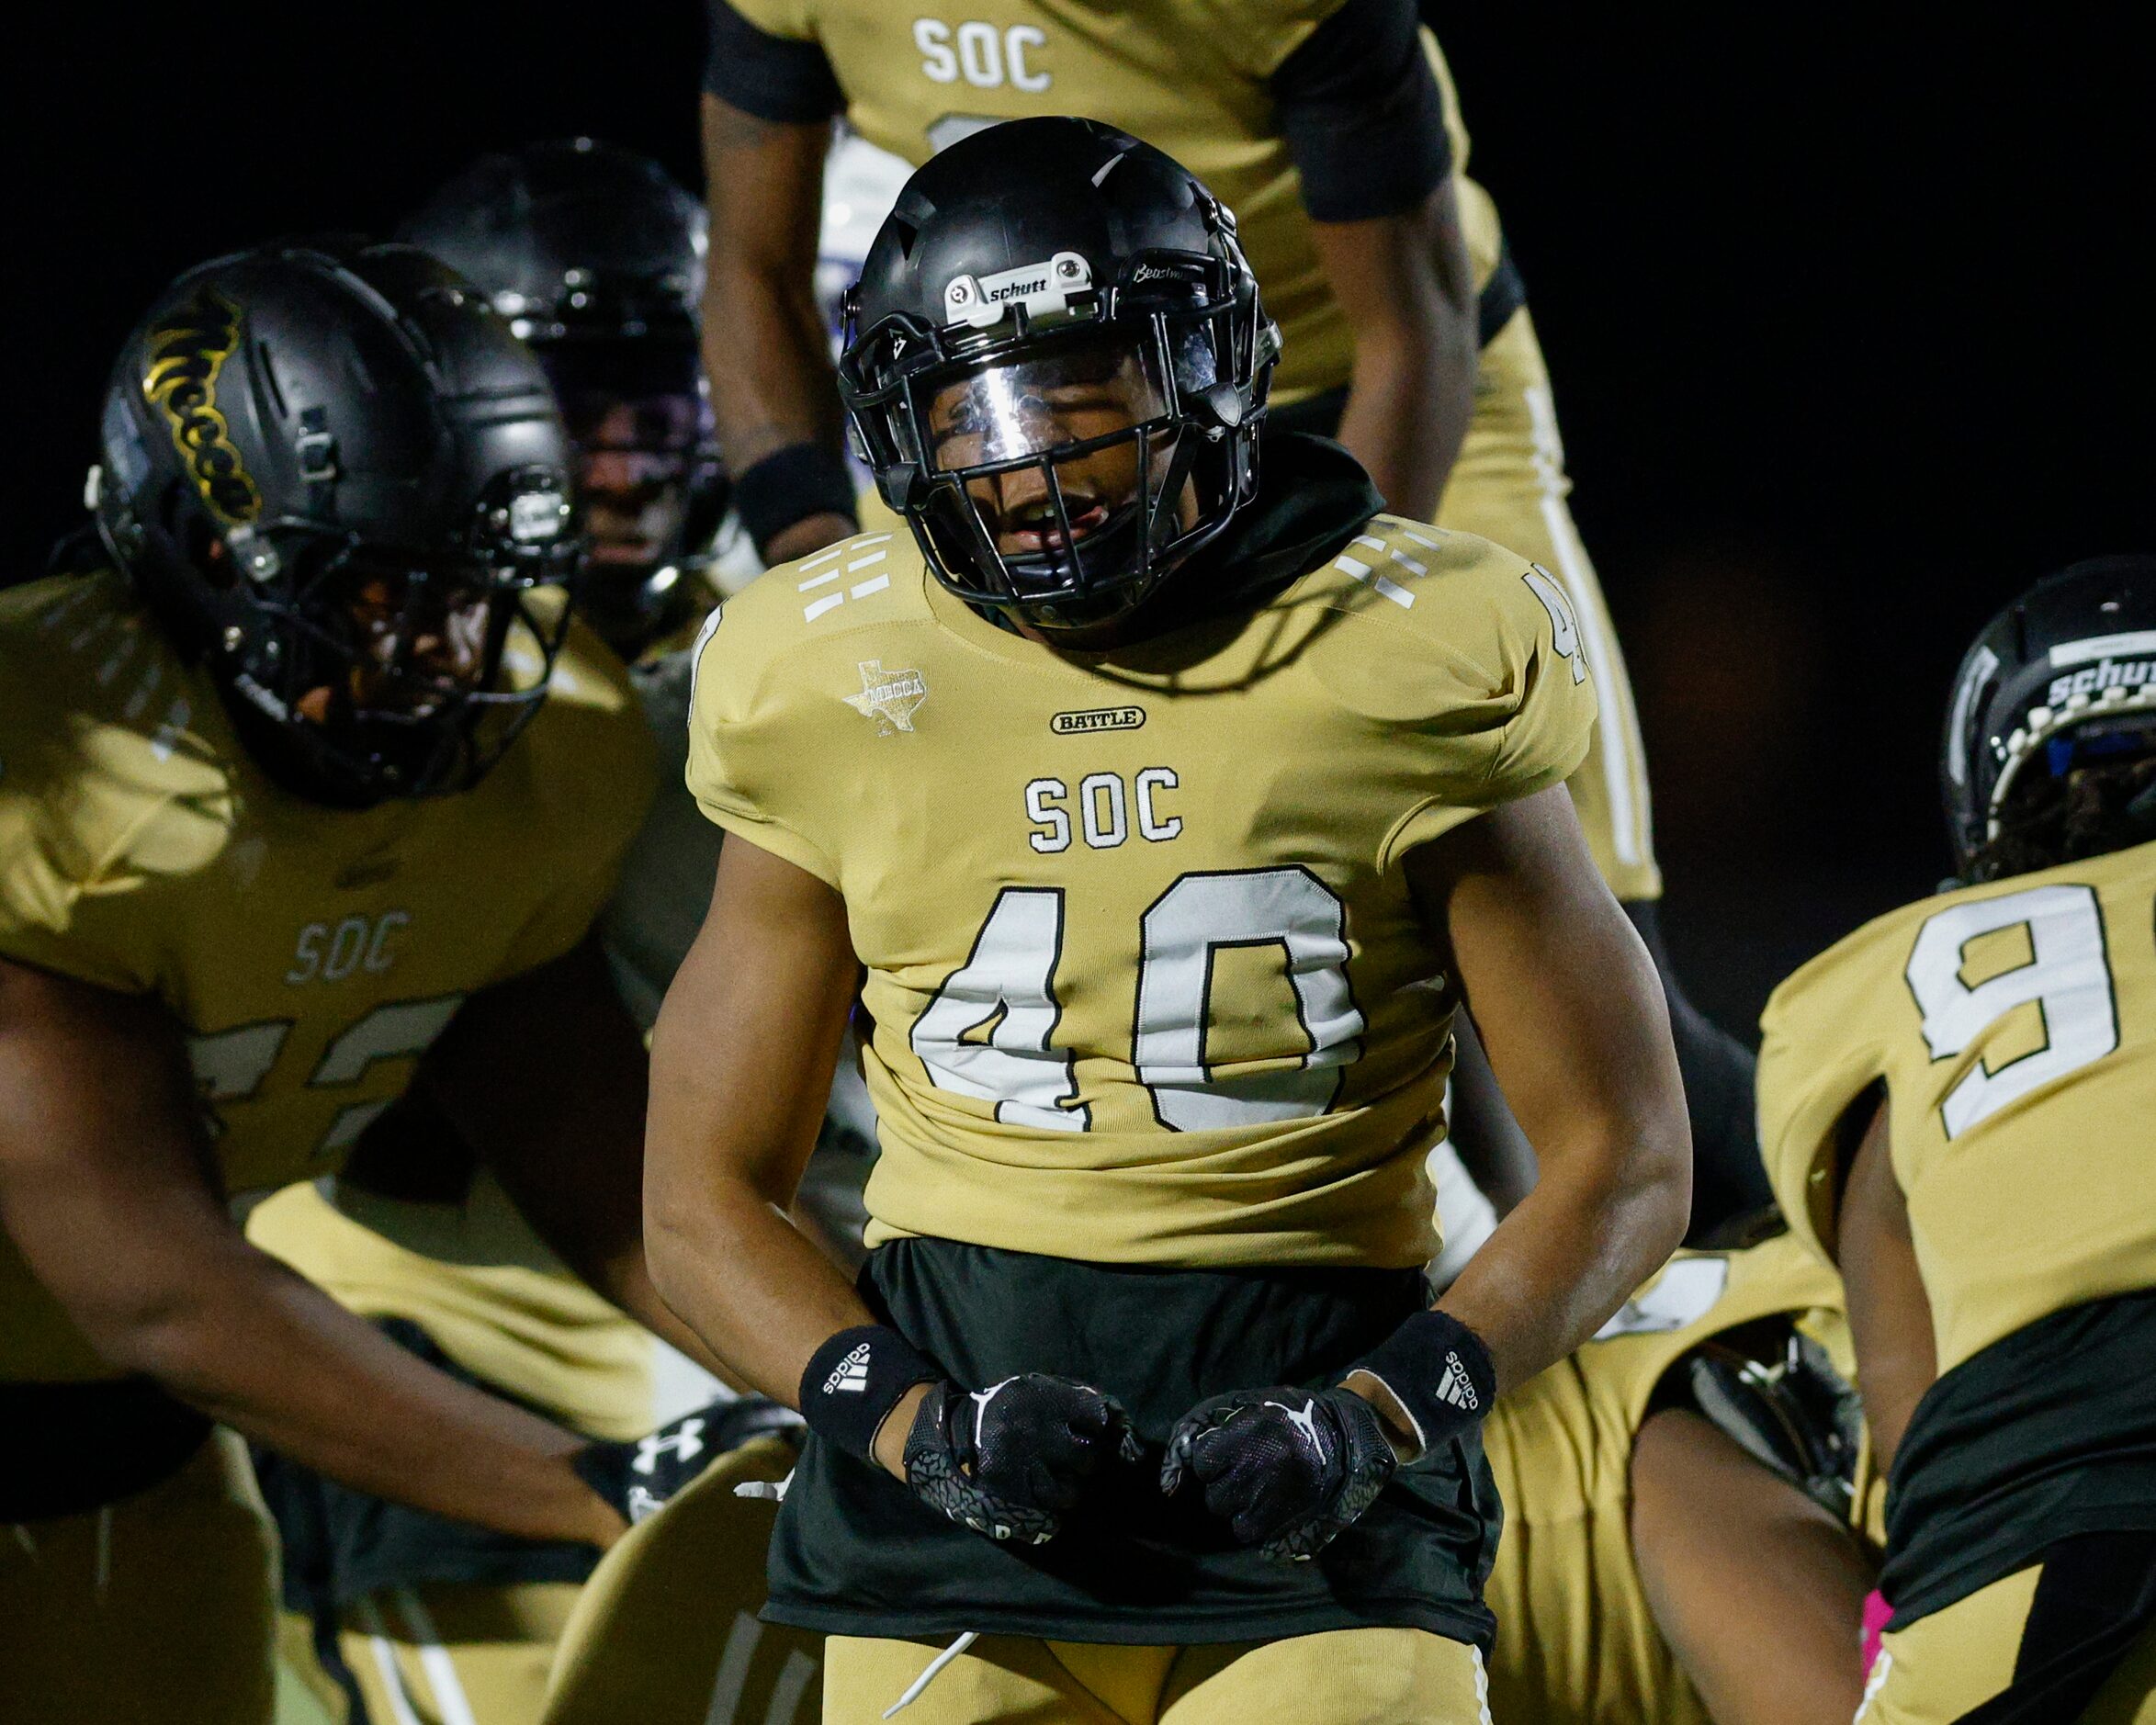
{"x":1360,"y":109}
{"x":770,"y":76}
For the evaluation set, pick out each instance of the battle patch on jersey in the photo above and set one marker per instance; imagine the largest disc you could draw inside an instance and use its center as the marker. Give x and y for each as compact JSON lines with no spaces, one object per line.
{"x":188,"y":349}
{"x":1098,"y":718}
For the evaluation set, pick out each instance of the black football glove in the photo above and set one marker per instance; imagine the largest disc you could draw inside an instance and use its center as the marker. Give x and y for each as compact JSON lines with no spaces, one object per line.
{"x":1009,"y":1460}
{"x":638,"y":1476}
{"x":1287,"y":1470}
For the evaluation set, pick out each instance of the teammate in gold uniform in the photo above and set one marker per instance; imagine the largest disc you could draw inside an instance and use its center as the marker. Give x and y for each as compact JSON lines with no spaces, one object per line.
{"x":1948,"y":1099}
{"x":1677,"y":1497}
{"x":1331,"y":131}
{"x":417,"y":1236}
{"x":284,"y":808}
{"x":1173,"y":803}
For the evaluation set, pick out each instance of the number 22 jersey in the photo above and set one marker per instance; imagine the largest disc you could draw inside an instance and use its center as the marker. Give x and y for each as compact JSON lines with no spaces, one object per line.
{"x":1147,"y":983}
{"x":308,"y":954}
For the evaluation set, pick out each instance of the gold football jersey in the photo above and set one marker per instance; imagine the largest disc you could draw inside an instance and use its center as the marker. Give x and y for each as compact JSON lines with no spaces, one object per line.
{"x":2014,"y":1025}
{"x":1186,"y":76}
{"x":1578,"y":1644}
{"x":473,"y":1274}
{"x":482,"y":1285}
{"x":1147,"y":980}
{"x":310,"y":954}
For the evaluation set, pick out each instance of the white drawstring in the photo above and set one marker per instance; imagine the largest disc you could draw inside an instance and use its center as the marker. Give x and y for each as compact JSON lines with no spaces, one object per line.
{"x":935,"y":1666}
{"x":23,"y":1538}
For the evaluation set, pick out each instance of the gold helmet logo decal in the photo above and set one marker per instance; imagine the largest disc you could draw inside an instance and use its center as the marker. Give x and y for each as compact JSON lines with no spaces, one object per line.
{"x":188,"y":346}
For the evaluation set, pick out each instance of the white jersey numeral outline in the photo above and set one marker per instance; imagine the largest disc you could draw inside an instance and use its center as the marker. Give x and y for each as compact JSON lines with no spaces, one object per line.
{"x":230,"y":1065}
{"x":2067,"y":978}
{"x":1006,"y":989}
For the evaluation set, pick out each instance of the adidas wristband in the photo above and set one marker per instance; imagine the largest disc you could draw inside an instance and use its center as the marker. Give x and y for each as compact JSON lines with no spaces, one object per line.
{"x":853,"y":1382}
{"x":790,"y":485}
{"x":1438,"y":1371}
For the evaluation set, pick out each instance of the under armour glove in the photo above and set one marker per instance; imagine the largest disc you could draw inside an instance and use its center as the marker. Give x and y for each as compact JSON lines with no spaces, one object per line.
{"x":1009,"y":1460}
{"x":1287,"y":1470}
{"x":638,"y":1476}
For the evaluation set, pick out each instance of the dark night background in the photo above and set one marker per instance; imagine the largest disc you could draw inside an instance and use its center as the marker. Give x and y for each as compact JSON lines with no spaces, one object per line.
{"x":1840,"y":306}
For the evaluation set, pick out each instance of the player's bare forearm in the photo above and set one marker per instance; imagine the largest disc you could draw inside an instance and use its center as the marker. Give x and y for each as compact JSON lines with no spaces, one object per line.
{"x":105,"y":1188}
{"x":1758,"y":1591}
{"x":764,"y":347}
{"x":1408,"y":288}
{"x":1890,"y":1313}
{"x":258,"y":1348}
{"x":546,"y":1077}
{"x":1574,"y":1022}
{"x":742,"y":1068}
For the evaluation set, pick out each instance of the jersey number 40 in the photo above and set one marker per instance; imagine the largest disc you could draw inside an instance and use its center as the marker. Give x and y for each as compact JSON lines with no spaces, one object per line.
{"x":1007,"y":989}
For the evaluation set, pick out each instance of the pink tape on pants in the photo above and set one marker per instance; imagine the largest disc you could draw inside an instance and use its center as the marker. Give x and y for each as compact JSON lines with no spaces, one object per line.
{"x":1878,"y":1615}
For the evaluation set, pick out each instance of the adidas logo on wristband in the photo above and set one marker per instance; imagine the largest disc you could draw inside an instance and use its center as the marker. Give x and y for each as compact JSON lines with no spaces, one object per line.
{"x":851,"y":1374}
{"x":1456,"y":1386}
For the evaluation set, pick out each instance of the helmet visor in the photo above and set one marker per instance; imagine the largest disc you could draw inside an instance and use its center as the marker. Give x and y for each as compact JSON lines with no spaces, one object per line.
{"x":1102,"y":384}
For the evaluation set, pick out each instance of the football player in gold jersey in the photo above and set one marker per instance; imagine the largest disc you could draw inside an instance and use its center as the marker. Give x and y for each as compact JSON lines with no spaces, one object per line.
{"x":1954,"y":1101}
{"x":1679,"y":1497}
{"x":308,"y":797}
{"x":1173,"y":808}
{"x":1331,"y":129}
{"x":594,"y":257}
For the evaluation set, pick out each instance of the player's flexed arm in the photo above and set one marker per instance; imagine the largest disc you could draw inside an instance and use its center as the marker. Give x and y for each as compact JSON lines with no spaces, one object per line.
{"x":741,"y":1062}
{"x":105,"y":1189}
{"x":1569,"y":1008}
{"x":1570,"y":1011}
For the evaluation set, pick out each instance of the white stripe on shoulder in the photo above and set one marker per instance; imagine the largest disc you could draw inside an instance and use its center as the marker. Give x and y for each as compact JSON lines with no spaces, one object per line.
{"x":1386,"y":587}
{"x":696,"y":649}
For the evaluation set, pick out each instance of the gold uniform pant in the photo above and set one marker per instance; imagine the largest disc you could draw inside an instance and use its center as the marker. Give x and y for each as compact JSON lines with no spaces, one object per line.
{"x":159,"y":1609}
{"x":440,"y":1654}
{"x":1943,"y":1665}
{"x":1509,"y":486}
{"x":1340,"y":1677}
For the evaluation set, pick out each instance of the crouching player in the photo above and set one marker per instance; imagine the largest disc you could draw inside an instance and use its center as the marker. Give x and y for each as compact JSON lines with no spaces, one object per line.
{"x":1175,"y":801}
{"x":1954,"y":1102}
{"x":1679,"y":1497}
{"x":291,"y":828}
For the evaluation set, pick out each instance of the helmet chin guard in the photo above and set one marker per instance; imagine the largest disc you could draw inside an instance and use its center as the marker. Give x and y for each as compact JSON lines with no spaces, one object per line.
{"x":1055,"y":365}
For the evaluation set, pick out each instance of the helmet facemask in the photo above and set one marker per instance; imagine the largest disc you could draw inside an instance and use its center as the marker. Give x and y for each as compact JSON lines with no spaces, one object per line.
{"x":376,"y":671}
{"x":649,"y":482}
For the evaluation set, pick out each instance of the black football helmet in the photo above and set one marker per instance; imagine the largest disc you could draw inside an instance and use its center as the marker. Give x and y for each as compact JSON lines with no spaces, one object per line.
{"x":595,"y":256}
{"x":2063,"y":677}
{"x":336,"y":478}
{"x":1055,"y":364}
